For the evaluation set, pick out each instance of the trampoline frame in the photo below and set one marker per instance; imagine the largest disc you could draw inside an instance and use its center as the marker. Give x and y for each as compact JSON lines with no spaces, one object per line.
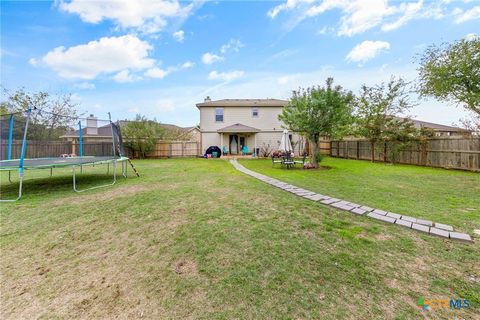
{"x":21,"y":167}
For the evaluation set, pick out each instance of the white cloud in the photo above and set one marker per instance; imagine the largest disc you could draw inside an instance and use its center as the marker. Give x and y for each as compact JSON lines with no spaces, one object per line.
{"x":146,"y":16}
{"x":179,"y":35}
{"x":165,"y":105}
{"x":367,"y":50}
{"x":410,"y":11}
{"x":471,"y":36}
{"x":156,"y":73}
{"x":124,"y":76}
{"x":107,"y":55}
{"x":233,"y":45}
{"x":33,"y":62}
{"x":467,"y":15}
{"x":225,"y":76}
{"x":187,"y":65}
{"x":209,"y":58}
{"x":358,"y":16}
{"x":84,"y":85}
{"x":283,"y":80}
{"x":288,"y":5}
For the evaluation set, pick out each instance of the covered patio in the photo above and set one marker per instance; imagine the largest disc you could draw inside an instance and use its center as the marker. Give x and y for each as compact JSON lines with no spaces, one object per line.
{"x":236,"y":136}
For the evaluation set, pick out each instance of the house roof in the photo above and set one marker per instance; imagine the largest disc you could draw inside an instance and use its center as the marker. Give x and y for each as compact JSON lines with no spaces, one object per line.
{"x":435,"y":126}
{"x":238,"y":128}
{"x":106,"y":130}
{"x":244,"y":103}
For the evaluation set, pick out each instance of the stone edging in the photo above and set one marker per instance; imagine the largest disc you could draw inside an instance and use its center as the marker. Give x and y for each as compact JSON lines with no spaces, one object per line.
{"x":425,"y":226}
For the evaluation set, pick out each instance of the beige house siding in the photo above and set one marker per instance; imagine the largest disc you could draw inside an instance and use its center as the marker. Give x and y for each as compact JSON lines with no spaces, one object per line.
{"x":271,"y":128}
{"x":267,"y":118}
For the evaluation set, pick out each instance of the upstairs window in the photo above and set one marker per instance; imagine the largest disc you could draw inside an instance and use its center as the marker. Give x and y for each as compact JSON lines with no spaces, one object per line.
{"x":219,"y":115}
{"x":254,"y":112}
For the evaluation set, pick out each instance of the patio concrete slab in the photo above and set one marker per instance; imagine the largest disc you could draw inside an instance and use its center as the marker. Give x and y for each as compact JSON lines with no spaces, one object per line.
{"x":380,"y":212}
{"x":410,"y":219}
{"x":420,"y":227}
{"x":394,"y":215}
{"x":341,"y":206}
{"x":381,"y":217}
{"x":359,"y":211}
{"x":368,"y":209}
{"x":330,"y":201}
{"x":443,"y":226}
{"x":439,"y":232}
{"x":306,"y":193}
{"x":315,"y":197}
{"x":460,"y":236}
{"x":353,"y":204}
{"x":425,"y":222}
{"x":403,"y":223}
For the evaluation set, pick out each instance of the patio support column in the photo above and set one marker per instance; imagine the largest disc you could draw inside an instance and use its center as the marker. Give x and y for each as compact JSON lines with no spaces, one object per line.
{"x":221,"y":141}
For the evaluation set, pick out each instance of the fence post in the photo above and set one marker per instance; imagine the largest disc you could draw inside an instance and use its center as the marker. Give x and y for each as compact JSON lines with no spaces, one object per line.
{"x":358,"y":149}
{"x":384,"y":151}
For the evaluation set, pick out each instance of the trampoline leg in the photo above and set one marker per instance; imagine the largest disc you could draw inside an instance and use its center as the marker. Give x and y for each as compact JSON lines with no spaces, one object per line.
{"x":96,"y":187}
{"x":51,"y":172}
{"x":20,"y":188}
{"x":10,"y":177}
{"x":124,"y":169}
{"x":108,"y":168}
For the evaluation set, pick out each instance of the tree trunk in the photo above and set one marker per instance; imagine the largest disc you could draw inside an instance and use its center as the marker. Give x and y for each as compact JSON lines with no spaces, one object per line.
{"x":372,"y":149}
{"x":314,"y":150}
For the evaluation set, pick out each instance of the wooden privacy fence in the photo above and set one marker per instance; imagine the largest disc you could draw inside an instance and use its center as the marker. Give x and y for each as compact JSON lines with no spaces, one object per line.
{"x":170,"y":149}
{"x":442,"y":152}
{"x":52,"y":149}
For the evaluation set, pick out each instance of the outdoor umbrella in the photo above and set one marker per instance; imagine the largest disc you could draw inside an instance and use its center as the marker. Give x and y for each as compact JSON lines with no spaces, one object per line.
{"x":285,"y":144}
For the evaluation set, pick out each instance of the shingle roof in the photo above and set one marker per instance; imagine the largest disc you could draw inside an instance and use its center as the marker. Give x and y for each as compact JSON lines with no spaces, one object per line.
{"x":244,"y":103}
{"x":238,"y":128}
{"x":435,"y":126}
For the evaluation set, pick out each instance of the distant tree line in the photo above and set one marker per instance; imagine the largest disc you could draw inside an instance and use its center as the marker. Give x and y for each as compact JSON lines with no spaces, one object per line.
{"x":449,"y":72}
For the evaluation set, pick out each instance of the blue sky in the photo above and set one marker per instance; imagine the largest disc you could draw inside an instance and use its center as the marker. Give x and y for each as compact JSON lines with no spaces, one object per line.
{"x":159,"y":57}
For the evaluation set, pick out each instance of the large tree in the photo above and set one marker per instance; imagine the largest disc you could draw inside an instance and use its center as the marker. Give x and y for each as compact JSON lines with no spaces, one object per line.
{"x":319,"y":112}
{"x":451,"y":72}
{"x":54,"y":114}
{"x":377,"y":111}
{"x":141,"y":134}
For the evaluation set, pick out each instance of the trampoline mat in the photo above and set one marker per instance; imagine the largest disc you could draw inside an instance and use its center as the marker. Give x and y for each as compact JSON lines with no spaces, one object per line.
{"x":55,"y":162}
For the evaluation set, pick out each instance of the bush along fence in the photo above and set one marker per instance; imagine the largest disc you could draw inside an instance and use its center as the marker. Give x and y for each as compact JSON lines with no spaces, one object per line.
{"x":441,"y":152}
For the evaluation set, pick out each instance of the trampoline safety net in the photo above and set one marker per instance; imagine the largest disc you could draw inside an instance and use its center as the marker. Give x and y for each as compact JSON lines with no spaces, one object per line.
{"x":48,"y":135}
{"x":40,"y":139}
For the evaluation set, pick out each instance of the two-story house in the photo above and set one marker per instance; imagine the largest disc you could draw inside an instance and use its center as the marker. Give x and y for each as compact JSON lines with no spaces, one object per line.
{"x":233,"y":123}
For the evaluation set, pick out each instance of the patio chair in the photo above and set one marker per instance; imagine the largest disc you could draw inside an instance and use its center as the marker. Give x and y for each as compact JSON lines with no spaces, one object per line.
{"x":302,"y":162}
{"x":244,"y":150}
{"x":288,"y":161}
{"x":225,"y":151}
{"x":279,"y":160}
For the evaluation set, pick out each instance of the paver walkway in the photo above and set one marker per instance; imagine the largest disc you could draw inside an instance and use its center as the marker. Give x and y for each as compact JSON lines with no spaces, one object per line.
{"x":426,"y":226}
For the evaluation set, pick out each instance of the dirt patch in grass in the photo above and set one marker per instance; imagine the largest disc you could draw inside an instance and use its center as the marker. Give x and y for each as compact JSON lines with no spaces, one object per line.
{"x":107,"y":194}
{"x":186,"y":268}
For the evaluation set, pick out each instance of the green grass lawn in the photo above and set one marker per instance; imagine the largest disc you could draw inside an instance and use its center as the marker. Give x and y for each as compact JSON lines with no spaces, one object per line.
{"x":444,"y":196}
{"x":194,"y":238}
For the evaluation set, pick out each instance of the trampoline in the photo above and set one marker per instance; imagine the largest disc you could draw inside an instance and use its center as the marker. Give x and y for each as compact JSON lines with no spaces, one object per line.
{"x":18,"y":147}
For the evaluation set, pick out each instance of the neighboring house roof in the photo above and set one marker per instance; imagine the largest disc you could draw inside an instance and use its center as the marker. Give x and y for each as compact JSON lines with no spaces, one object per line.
{"x":435,"y":126}
{"x":106,"y":130}
{"x":238,"y":128}
{"x":244,"y":103}
{"x":102,"y":132}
